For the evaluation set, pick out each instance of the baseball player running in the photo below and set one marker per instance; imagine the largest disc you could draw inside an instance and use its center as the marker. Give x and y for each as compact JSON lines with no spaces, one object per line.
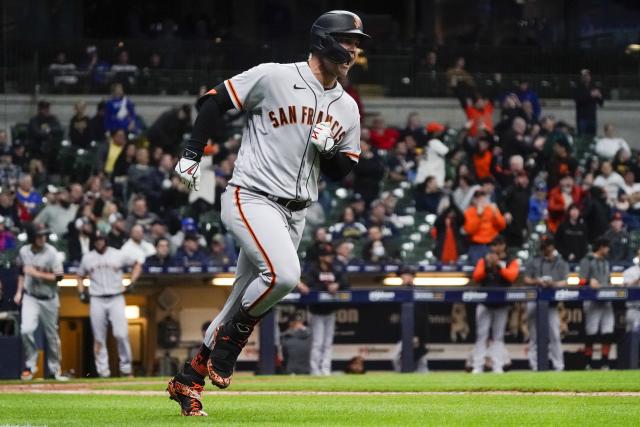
{"x":598,"y":315}
{"x":299,"y":122}
{"x":547,"y":270}
{"x":631,"y":277}
{"x":38,"y":293}
{"x":104,"y":266}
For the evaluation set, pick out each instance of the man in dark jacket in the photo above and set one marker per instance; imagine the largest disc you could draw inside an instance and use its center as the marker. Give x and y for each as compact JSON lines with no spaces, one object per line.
{"x":325,"y":276}
{"x":515,"y":204}
{"x":167,"y":131}
{"x":596,"y":213}
{"x":296,"y":347}
{"x":44,"y":127}
{"x":587,"y":97}
{"x":619,"y":248}
{"x":571,"y":236}
{"x":368,"y":174}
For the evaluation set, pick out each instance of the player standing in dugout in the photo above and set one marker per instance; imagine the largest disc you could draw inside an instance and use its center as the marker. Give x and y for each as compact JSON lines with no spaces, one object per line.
{"x":299,"y":122}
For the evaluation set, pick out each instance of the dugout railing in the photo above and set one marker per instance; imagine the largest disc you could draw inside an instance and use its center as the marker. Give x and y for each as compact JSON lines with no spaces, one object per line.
{"x":407,"y":298}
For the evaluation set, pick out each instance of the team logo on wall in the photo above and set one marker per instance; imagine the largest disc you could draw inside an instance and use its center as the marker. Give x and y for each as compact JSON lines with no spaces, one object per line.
{"x":357,"y":22}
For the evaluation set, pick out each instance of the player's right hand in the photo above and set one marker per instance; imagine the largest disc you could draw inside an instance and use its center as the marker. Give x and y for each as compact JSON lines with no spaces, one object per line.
{"x":188,"y":169}
{"x":323,"y":140}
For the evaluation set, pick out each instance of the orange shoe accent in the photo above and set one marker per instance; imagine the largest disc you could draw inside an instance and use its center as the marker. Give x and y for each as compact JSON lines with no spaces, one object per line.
{"x":194,"y":393}
{"x":216,"y":379}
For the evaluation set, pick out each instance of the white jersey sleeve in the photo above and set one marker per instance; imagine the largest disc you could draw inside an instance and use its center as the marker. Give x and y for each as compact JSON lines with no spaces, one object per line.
{"x":247,"y":90}
{"x":127,"y":259}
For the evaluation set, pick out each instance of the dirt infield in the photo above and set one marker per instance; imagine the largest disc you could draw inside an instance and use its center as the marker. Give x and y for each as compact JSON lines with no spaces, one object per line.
{"x":89,"y":388}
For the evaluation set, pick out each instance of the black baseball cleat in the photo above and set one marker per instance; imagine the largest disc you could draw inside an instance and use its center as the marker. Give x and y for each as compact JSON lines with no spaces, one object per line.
{"x":186,"y":388}
{"x":228,"y":341}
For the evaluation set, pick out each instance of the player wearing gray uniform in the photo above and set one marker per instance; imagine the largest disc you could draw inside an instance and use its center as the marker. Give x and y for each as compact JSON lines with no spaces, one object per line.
{"x":38,"y":292}
{"x":104,"y":267}
{"x":631,"y":277}
{"x":598,"y":315}
{"x":547,"y":270}
{"x":299,"y":122}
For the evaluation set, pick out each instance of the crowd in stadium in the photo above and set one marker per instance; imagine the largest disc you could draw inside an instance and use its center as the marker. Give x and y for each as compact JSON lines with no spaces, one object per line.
{"x":477,"y":181}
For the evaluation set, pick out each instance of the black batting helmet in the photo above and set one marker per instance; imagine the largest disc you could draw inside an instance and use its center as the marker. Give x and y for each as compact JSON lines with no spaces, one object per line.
{"x":332,"y":24}
{"x":35,"y":230}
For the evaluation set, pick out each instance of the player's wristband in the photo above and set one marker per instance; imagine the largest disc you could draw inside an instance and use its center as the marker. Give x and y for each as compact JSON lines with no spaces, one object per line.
{"x":192,"y":152}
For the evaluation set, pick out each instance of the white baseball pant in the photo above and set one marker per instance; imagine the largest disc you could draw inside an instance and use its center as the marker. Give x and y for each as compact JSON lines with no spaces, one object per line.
{"x":34,"y":312}
{"x":555,"y":342}
{"x":268,"y":267}
{"x":598,"y":317}
{"x":103,"y":311}
{"x":323,"y":327}
{"x":492,"y":319}
{"x":632,"y":318}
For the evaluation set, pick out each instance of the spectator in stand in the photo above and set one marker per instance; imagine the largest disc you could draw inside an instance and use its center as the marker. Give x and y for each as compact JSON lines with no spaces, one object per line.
{"x":379,"y":217}
{"x":120,"y":112}
{"x":348,"y":227}
{"x":187,"y":226}
{"x":141,"y":177}
{"x":7,"y":238}
{"x":97,"y":123}
{"x":96,"y":69}
{"x":595,"y":272}
{"x":110,"y":153}
{"x":325,"y":276}
{"x":58,"y":212}
{"x":537,"y":205}
{"x":429,"y":68}
{"x":460,"y":83}
{"x":190,"y":254}
{"x":368,"y":174}
{"x":153,"y":78}
{"x":515,"y":204}
{"x":596,"y":213}
{"x":622,"y":162}
{"x":619,"y":241}
{"x":44,"y":127}
{"x":80,"y":236}
{"x":464,"y":191}
{"x":428,"y":196}
{"x":525,"y":93}
{"x":632,"y":189}
{"x":168,"y":129}
{"x":493,"y":269}
{"x":413,"y":126}
{"x":482,"y":159}
{"x":609,"y":144}
{"x":479,"y":115}
{"x":219,"y":255}
{"x":382,"y":137}
{"x":158,"y":230}
{"x":9,"y":173}
{"x":9,"y":207}
{"x":482,"y":223}
{"x":162,"y":257}
{"x":63,"y":74}
{"x":136,"y":246}
{"x":320,"y":238}
{"x":560,"y":198}
{"x":29,"y":200}
{"x":80,"y":127}
{"x":450,"y":243}
{"x":140,"y":214}
{"x":344,"y":253}
{"x":375,"y":250}
{"x":587,"y":97}
{"x":401,"y":164}
{"x":510,"y":108}
{"x":515,"y":141}
{"x":548,"y":270}
{"x":118,"y":233}
{"x":610,"y":181}
{"x":123,"y":72}
{"x":432,"y":160}
{"x":571,"y":236}
{"x":561,"y":163}
{"x":507,"y":177}
{"x":296,"y":347}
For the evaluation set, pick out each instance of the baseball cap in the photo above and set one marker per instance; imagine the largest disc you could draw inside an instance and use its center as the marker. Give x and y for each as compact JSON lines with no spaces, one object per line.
{"x":479,"y":193}
{"x":541,"y":186}
{"x":188,"y":224}
{"x":434,"y":127}
{"x":52,"y":189}
{"x":217,"y":238}
{"x":115,"y":217}
{"x":44,"y":104}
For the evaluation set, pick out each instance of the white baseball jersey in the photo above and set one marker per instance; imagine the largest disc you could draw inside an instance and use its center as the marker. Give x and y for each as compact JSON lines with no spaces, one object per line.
{"x":105,"y":270}
{"x":283,"y":102}
{"x":48,"y":261}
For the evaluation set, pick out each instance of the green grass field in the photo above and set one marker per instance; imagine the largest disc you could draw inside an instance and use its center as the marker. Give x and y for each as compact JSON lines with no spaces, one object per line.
{"x":418,"y":405}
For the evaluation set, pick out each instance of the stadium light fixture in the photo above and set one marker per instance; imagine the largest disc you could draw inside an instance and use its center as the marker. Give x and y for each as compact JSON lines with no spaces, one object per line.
{"x":429,"y":281}
{"x":132,"y":312}
{"x":71,"y":282}
{"x":225,"y":280}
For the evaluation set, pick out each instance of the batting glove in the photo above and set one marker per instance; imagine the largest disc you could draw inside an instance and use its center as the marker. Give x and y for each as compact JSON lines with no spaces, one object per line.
{"x":323,"y":141}
{"x":188,"y":168}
